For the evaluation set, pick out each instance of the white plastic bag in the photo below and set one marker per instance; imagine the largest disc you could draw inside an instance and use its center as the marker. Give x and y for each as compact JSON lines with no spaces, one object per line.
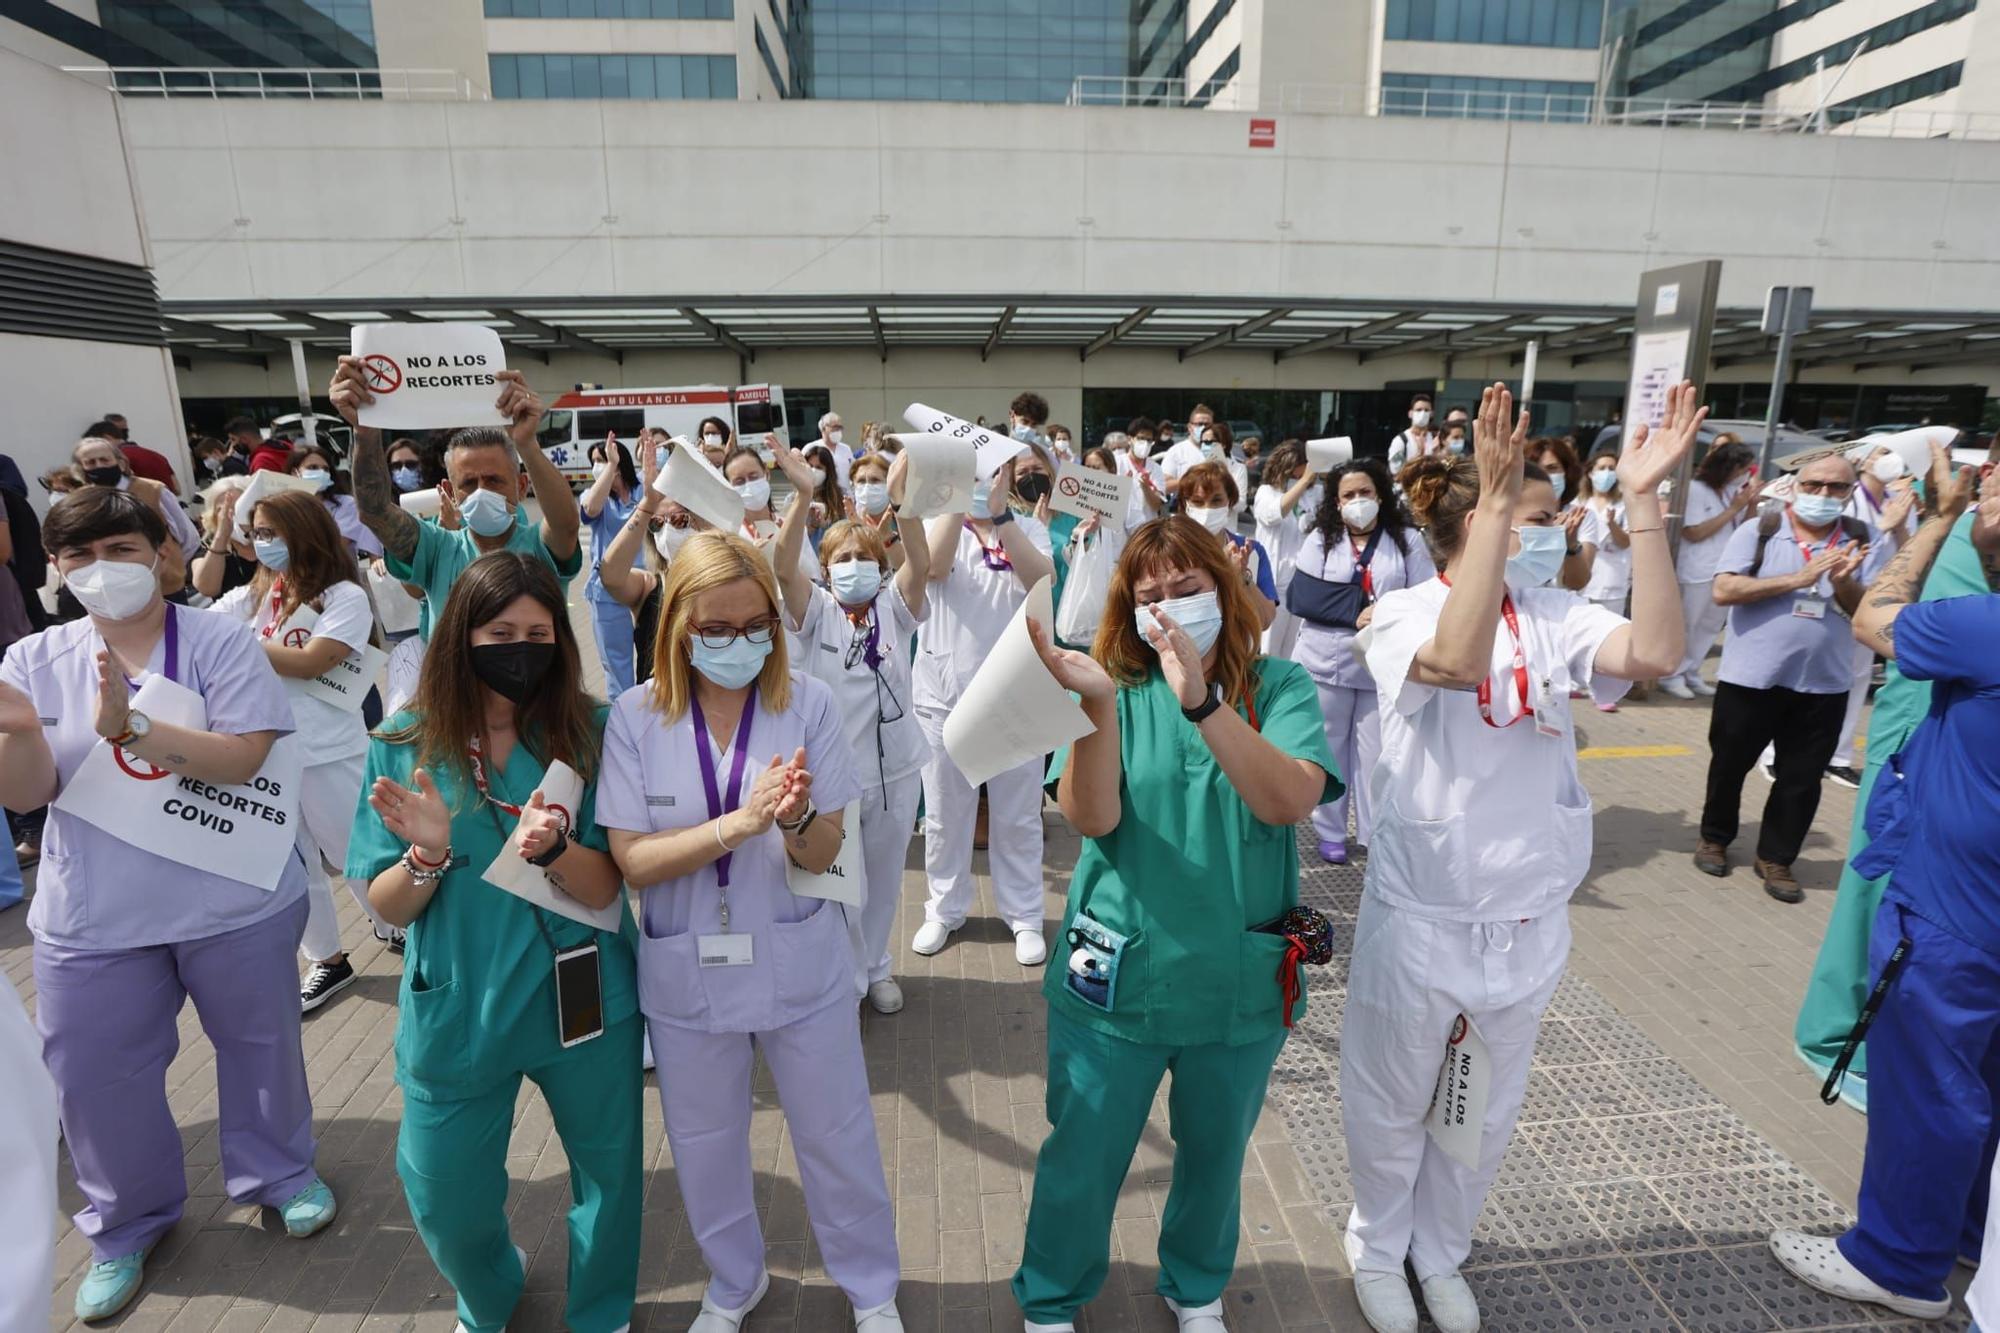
{"x":1084,"y":592}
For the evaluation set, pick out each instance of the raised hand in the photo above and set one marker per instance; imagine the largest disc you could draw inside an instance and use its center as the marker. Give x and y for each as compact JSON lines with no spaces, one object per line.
{"x":417,"y":815}
{"x":1500,"y":444}
{"x":795,"y":467}
{"x":448,"y":518}
{"x":114,"y":698}
{"x":1897,"y":512}
{"x":521,"y":405}
{"x":1952,"y":488}
{"x":649,"y":468}
{"x":899,"y":475}
{"x":17,"y":713}
{"x":1179,"y":662}
{"x":1652,"y":455}
{"x":1079,"y":672}
{"x":1003,"y":487}
{"x":349,"y":390}
{"x":1572,"y":519}
{"x":541,"y":828}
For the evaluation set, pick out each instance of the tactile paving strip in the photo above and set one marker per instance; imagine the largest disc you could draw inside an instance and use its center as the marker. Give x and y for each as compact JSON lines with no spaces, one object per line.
{"x":1630,"y":1197}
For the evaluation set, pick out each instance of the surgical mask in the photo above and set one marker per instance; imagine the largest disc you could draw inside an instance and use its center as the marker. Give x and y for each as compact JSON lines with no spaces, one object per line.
{"x":1817,"y":510}
{"x":660,"y":455}
{"x":1604,"y":479}
{"x":1211,"y":450}
{"x":486,"y":512}
{"x":833,"y":437}
{"x":756,"y":492}
{"x":512,"y":670}
{"x":108,"y":475}
{"x":211,"y":463}
{"x":274,"y":554}
{"x":1360,"y":514}
{"x":732,"y":667}
{"x":1023,"y":432}
{"x":1559,"y":482}
{"x":599,"y":469}
{"x":1032,"y":487}
{"x":319,"y":477}
{"x":854,"y":582}
{"x":711,"y":441}
{"x":1539,"y":559}
{"x":407,"y":479}
{"x":819,"y":477}
{"x":1457,"y":446}
{"x":114,"y":589}
{"x":1140,"y":448}
{"x":1213,"y":517}
{"x":982,"y":498}
{"x":1889,"y":467}
{"x":1200,"y":614}
{"x":1420,"y":416}
{"x":872,"y":496}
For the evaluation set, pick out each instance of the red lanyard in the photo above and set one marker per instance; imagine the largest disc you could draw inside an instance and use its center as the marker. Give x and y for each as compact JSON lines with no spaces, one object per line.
{"x":1367,"y":573}
{"x":277,"y":600}
{"x":1805,"y":548}
{"x":479,"y":779}
{"x":1520,"y":667}
{"x":995,"y":556}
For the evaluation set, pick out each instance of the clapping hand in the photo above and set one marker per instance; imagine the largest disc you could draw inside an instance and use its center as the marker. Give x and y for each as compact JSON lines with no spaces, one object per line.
{"x":1500,"y":445}
{"x":114,"y":698}
{"x":521,"y":405}
{"x":1078,"y":672}
{"x":448,"y":518}
{"x":796,"y":794}
{"x":1652,"y":455}
{"x":17,"y":713}
{"x":1180,"y":663}
{"x":541,"y":828}
{"x":417,"y":815}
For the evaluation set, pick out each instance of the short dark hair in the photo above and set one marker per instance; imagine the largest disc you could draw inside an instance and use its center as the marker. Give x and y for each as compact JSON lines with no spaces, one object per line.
{"x":1424,"y":398}
{"x":96,"y":512}
{"x":481,"y":437}
{"x":239,"y":426}
{"x":1138,"y":424}
{"x":1030,"y":407}
{"x":104,"y":429}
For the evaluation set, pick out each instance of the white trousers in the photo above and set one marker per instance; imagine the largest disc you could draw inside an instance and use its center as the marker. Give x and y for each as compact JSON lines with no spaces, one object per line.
{"x":1409,"y":980}
{"x":886,"y":829}
{"x":328,"y":795}
{"x":1857,"y":699}
{"x":1013,"y":837}
{"x":1703,"y":620}
{"x":823,"y":1088}
{"x":1354,"y":734}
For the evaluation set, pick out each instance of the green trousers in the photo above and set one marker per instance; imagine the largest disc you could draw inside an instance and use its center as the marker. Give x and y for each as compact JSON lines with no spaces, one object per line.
{"x":1100,"y":1089}
{"x":452,"y":1157}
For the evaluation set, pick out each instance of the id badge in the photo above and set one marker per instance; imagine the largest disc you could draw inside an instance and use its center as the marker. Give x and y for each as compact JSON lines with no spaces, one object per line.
{"x":1548,"y":717}
{"x":1095,"y":953}
{"x":579,"y":996}
{"x":1809,"y":608}
{"x":732,"y":950}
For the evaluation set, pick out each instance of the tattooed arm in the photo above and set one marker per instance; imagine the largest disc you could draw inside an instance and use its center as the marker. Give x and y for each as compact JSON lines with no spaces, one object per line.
{"x":1903,"y":581}
{"x":374,"y":493}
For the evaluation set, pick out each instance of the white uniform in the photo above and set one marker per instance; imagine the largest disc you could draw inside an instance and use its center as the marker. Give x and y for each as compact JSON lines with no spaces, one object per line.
{"x":1406,"y":447}
{"x":1183,"y":455}
{"x":1695,"y":567}
{"x":1611,"y":569}
{"x":1481,"y":835}
{"x":969,"y":608}
{"x":880,"y":724}
{"x":1864,"y":507}
{"x":1280,"y":534}
{"x":1136,"y":509}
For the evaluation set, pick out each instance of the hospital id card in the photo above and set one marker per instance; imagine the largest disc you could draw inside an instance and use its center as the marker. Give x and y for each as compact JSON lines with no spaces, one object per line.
{"x":1809,"y":608}
{"x":1548,"y":717}
{"x":723,"y":950}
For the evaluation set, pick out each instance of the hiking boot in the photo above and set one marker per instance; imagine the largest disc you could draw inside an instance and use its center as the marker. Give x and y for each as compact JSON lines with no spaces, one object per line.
{"x":1778,"y":881}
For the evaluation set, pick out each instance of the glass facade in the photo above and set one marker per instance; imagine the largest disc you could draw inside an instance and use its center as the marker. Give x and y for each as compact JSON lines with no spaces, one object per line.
{"x":1571,"y":23}
{"x":1839,"y":53}
{"x":1467,"y":98}
{"x":980,"y":50}
{"x":610,"y":9}
{"x":634,"y":77}
{"x":314,"y":34}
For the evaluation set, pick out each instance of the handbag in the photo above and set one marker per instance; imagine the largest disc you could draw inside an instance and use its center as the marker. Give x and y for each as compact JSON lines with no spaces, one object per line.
{"x":1327,"y":602}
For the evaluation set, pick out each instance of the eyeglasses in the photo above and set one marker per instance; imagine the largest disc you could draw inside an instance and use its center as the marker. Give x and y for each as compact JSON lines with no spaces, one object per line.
{"x":721,"y":636}
{"x":1835,"y":489}
{"x":263,"y":534}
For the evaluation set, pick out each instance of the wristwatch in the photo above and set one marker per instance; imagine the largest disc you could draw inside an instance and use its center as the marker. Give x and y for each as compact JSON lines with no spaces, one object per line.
{"x":797,"y":828}
{"x":553,"y":854}
{"x":137,"y":727}
{"x":1199,"y":713}
{"x":1002,"y":519}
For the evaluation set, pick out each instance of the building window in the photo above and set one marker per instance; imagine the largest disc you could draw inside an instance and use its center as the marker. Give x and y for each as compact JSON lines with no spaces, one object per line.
{"x":610,"y":9}
{"x":1832,"y":57}
{"x":1940,"y":80}
{"x":770,"y":62}
{"x":316,"y":34}
{"x":1567,"y":23}
{"x":628,"y":77}
{"x":1467,"y":98}
{"x":1215,"y":82}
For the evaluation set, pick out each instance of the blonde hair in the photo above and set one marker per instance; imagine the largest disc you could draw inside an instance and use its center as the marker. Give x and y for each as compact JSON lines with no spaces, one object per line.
{"x":865,"y":541}
{"x":707,"y":561}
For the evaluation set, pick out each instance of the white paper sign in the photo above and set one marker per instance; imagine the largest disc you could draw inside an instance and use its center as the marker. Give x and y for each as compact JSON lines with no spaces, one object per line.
{"x":1659,"y":362}
{"x":942,"y":473}
{"x":1328,"y":454}
{"x":244,"y":833}
{"x":429,"y":375}
{"x":1912,"y":446}
{"x":1666,"y":299}
{"x":992,"y":449}
{"x":562,"y":789}
{"x":346,"y":683}
{"x":844,"y":880}
{"x":695,"y":484}
{"x":1012,"y":709}
{"x":1458,"y":1109}
{"x":425,"y":503}
{"x":262,"y":486}
{"x":1085,"y":492}
{"x":394,"y":607}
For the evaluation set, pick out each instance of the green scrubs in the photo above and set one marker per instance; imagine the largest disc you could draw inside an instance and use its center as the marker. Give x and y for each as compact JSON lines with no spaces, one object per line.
{"x":442,"y":555}
{"x":1186,"y":877}
{"x":476,"y":1014}
{"x":1839,"y":984}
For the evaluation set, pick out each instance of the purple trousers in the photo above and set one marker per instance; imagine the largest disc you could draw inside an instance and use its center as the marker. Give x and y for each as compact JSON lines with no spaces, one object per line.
{"x":109,"y":1025}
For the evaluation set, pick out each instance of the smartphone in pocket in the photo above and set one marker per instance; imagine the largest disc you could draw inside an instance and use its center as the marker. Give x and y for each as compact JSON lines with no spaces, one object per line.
{"x":579,"y":995}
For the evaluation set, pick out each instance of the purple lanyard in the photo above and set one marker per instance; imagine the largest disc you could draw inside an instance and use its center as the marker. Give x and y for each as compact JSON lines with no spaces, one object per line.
{"x":173,"y":650}
{"x":703,"y":745}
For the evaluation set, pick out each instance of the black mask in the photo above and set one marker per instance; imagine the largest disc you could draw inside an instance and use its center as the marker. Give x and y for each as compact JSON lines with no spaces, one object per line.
{"x":1032,"y":487}
{"x":512,"y":670}
{"x":104,"y":476}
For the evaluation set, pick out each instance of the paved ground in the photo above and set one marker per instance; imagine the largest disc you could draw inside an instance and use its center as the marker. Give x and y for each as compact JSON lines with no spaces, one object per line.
{"x":1668,"y":1128}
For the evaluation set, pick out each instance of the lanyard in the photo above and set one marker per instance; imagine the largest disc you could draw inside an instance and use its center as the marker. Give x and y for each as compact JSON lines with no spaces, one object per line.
{"x":277,"y":600}
{"x":704,"y":747}
{"x":172,"y":655}
{"x":995,"y":556}
{"x":866,"y":648}
{"x":1805,"y":548}
{"x":1520,"y":667}
{"x":479,"y":779}
{"x":1364,"y":559}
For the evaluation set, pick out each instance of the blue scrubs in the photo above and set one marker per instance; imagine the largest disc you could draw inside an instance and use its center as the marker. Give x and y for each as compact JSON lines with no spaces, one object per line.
{"x":1934,"y":1051}
{"x":610,"y":620}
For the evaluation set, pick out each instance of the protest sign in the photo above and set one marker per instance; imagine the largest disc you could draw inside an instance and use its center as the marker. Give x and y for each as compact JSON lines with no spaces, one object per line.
{"x":1086,"y":492}
{"x":425,"y":503}
{"x":1012,"y":709}
{"x":244,"y":833}
{"x":430,"y":375}
{"x":344,"y":684}
{"x":1458,"y":1107}
{"x":262,"y":486}
{"x":840,"y":882}
{"x":696,"y":485}
{"x":562,"y":791}
{"x":942,"y":473}
{"x":991,"y":449}
{"x":1326,"y":455}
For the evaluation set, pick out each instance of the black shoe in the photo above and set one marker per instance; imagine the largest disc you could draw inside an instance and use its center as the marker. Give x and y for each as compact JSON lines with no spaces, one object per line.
{"x":396,"y":943}
{"x":1845,"y":776}
{"x":393,"y":937}
{"x":325,"y":981}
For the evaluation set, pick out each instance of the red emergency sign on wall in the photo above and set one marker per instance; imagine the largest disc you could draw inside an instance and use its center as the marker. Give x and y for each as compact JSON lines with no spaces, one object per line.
{"x":1263,"y":133}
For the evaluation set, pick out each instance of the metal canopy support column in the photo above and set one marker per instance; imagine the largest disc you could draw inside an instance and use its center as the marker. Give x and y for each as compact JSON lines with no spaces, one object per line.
{"x":569,"y":338}
{"x":1334,"y":342}
{"x":1234,"y":332}
{"x":881,"y":339}
{"x":1448,"y":338}
{"x":717,"y":332}
{"x":999,"y":331}
{"x":1115,"y":332}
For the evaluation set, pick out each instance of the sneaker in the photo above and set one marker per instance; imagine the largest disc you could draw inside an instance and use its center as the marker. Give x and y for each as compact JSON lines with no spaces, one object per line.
{"x":1818,"y":1263}
{"x":109,"y":1287}
{"x":1846,"y":775}
{"x":1385,"y":1301}
{"x":885,"y":996}
{"x":1778,"y":881}
{"x":1701,"y":687}
{"x":393,"y":936}
{"x":27,"y":852}
{"x":1449,"y":1300}
{"x":931,"y":937}
{"x":1198,"y":1318}
{"x":1766,"y":771}
{"x":308,"y":1211}
{"x":1607,"y":708}
{"x":880,"y":1319}
{"x":1711,"y":858}
{"x":1677,"y":687}
{"x":1030,"y":949}
{"x":716,"y":1319}
{"x":1333,"y":851}
{"x":323,"y":982}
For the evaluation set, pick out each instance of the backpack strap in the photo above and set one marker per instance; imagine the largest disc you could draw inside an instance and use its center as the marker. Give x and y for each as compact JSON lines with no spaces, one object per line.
{"x":1767,"y":528}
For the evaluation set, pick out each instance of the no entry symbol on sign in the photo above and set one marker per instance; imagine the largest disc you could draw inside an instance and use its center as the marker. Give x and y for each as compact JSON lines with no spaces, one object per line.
{"x":1070,"y":486}
{"x":297,"y":638}
{"x":136,"y":767}
{"x":381,"y":374}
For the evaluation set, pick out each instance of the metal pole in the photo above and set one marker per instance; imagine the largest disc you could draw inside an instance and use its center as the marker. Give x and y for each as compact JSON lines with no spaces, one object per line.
{"x":1777,"y":383}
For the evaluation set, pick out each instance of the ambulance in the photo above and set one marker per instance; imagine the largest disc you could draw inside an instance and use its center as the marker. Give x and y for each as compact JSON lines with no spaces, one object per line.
{"x":584,"y":416}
